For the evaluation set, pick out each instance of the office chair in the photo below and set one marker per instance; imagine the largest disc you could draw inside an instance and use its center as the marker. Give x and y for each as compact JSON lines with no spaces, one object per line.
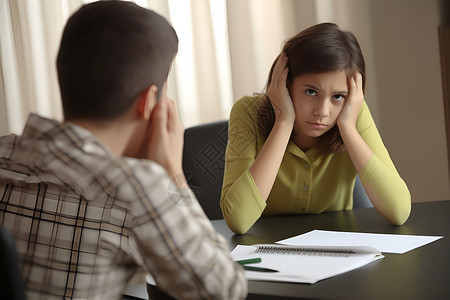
{"x":11,"y":287}
{"x":360,"y":198}
{"x":204,"y":163}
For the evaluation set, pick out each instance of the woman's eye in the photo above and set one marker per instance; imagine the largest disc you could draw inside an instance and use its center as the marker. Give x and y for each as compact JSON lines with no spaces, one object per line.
{"x":339,"y":97}
{"x":310,"y":92}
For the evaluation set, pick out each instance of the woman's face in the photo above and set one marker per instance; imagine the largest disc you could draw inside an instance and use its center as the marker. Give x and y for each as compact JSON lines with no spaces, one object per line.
{"x":318,"y":100}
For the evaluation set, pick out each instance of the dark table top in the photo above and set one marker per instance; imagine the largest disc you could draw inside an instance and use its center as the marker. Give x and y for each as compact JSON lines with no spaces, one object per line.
{"x":423,"y":273}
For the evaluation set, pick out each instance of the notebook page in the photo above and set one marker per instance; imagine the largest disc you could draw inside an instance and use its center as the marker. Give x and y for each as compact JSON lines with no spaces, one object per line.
{"x":304,"y":268}
{"x":387,"y":243}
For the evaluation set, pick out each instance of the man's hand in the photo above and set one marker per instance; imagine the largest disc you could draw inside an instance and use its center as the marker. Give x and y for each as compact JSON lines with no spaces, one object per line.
{"x":165,"y":144}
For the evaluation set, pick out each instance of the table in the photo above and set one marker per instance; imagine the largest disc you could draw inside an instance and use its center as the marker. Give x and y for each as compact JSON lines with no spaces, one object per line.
{"x":423,"y":273}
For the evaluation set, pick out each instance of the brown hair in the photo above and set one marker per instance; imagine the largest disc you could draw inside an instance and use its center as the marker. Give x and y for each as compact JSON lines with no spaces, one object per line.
{"x":320,"y":48}
{"x":110,"y":52}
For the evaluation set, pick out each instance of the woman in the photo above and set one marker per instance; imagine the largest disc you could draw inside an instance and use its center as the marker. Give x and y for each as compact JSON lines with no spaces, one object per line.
{"x":297,"y":148}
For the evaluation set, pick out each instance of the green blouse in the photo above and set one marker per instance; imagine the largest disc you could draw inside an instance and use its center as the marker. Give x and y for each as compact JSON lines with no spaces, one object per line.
{"x":307,"y":183}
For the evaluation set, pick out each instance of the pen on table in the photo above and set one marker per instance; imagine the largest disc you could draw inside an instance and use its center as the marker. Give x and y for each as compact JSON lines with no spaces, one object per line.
{"x":259,"y":269}
{"x":244,"y":263}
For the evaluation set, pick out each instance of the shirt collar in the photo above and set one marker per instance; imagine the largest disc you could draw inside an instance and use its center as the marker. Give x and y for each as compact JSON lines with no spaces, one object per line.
{"x":311,"y":156}
{"x":66,"y":132}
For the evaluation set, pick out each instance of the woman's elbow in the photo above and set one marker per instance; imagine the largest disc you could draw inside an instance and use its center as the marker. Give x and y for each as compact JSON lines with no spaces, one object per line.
{"x":241,"y":215}
{"x":237,"y":229}
{"x":234,"y":222}
{"x":402,"y":211}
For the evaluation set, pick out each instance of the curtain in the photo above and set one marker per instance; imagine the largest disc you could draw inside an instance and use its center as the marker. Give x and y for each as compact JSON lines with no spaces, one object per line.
{"x":30,"y":32}
{"x":226,"y":50}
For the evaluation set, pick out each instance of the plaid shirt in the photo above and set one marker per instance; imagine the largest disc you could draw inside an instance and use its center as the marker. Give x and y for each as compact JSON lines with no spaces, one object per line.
{"x":85,"y":221}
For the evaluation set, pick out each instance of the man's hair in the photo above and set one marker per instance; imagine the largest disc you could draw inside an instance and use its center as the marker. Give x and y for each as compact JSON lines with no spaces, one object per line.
{"x":318,"y":49}
{"x":110,"y":52}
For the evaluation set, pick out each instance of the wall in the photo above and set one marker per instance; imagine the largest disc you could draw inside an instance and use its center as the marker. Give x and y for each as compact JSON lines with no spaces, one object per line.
{"x":410,"y":98}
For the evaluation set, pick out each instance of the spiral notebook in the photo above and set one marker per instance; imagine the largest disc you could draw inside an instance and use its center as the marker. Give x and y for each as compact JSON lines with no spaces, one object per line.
{"x":304,"y":264}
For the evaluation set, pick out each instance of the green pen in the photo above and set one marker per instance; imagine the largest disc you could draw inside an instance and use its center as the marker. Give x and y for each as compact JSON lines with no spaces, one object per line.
{"x":245,"y":262}
{"x":249,"y":261}
{"x":258,"y":269}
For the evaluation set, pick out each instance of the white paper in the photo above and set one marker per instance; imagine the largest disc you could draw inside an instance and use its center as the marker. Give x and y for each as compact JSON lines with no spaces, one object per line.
{"x":304,"y":268}
{"x":386,"y":243}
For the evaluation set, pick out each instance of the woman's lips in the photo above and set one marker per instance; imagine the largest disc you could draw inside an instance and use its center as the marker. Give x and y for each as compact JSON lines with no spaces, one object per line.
{"x":317,"y":125}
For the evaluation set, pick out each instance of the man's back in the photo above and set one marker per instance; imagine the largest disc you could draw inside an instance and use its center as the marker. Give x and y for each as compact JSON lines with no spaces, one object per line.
{"x":85,"y":221}
{"x":70,"y":234}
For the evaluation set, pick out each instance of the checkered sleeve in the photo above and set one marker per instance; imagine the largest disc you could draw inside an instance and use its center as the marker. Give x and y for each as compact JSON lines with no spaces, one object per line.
{"x":176,"y":240}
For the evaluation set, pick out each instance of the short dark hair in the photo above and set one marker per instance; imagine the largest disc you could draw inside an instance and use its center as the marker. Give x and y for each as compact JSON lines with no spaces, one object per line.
{"x":110,"y":52}
{"x":320,"y":48}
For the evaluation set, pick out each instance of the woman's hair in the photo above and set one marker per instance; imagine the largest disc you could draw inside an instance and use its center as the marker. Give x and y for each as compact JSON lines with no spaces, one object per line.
{"x":320,"y":48}
{"x":110,"y":52}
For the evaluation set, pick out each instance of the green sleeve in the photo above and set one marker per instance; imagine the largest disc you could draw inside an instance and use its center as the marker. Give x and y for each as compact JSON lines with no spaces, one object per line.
{"x":380,"y":176}
{"x":241,"y":201}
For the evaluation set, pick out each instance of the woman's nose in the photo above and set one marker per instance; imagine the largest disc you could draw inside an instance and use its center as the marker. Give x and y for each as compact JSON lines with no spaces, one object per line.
{"x":321,"y":109}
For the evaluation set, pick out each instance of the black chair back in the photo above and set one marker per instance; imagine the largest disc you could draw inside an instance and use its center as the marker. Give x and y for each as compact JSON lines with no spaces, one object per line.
{"x":204,"y":163}
{"x":360,"y":198}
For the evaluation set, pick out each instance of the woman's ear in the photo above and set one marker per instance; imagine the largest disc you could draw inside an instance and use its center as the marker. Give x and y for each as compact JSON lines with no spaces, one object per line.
{"x":146,"y":102}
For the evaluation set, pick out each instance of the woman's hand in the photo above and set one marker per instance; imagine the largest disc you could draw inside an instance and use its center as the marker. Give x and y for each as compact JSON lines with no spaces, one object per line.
{"x":278,"y":93}
{"x":358,"y":150}
{"x":350,"y":112}
{"x":265,"y":168}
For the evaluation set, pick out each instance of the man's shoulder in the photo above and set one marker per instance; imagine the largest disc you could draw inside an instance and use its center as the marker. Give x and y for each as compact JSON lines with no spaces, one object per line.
{"x":7,"y":144}
{"x":68,"y":156}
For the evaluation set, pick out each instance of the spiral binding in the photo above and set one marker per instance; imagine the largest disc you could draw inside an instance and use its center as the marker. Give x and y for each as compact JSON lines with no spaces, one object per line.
{"x":303,"y":251}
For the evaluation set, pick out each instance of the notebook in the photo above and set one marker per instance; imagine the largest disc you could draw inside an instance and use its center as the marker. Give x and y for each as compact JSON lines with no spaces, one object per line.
{"x":304,"y":264}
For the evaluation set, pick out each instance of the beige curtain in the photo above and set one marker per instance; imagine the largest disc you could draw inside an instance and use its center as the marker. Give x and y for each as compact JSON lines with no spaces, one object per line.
{"x":226,"y":50}
{"x":30,"y":32}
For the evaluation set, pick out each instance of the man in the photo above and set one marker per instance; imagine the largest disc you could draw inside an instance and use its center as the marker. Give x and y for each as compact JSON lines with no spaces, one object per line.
{"x":102,"y":195}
